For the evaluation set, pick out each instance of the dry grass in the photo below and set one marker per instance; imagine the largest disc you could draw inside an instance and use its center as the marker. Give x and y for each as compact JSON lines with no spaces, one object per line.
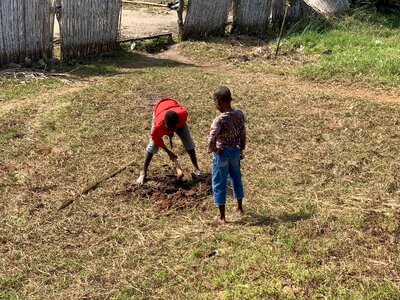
{"x":321,"y":176}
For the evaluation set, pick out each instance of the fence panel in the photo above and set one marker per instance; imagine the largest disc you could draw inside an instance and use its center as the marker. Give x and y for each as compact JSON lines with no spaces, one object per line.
{"x":205,"y":18}
{"x":251,"y":16}
{"x":88,"y":26}
{"x":26,"y":30}
{"x":298,"y":9}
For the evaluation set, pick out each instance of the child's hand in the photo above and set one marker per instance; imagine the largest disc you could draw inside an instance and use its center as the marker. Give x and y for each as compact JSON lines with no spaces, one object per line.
{"x":172,"y":155}
{"x":218,"y":150}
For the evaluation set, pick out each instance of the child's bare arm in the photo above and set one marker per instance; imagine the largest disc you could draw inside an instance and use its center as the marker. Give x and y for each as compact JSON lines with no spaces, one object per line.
{"x":215,"y":128}
{"x":243,"y":139}
{"x":210,"y":147}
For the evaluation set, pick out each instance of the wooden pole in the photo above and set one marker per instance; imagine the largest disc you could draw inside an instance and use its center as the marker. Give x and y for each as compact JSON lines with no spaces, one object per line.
{"x":145,"y":3}
{"x":287,"y":5}
{"x":180,"y":17}
{"x":95,"y":183}
{"x":124,"y":40}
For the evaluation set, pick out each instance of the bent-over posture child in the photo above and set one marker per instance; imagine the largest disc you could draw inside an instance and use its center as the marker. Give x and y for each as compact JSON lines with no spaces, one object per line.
{"x":168,"y":117}
{"x":227,"y":140}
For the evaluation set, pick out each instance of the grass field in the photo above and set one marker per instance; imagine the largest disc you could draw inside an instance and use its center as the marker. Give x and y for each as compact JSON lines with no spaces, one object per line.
{"x":321,"y":178}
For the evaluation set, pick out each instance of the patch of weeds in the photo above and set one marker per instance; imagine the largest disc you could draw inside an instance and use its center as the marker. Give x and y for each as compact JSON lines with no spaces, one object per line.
{"x":154,"y":45}
{"x":160,"y":276}
{"x":124,"y":294}
{"x":7,"y":295}
{"x":362,"y":46}
{"x":24,"y":86}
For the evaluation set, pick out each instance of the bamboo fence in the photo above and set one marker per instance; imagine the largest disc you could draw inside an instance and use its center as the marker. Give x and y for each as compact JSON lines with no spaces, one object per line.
{"x":26,"y":30}
{"x":251,"y":16}
{"x":205,"y":18}
{"x":88,"y":26}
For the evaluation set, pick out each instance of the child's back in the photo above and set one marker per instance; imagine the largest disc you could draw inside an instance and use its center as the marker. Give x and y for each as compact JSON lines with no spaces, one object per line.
{"x":227,"y":139}
{"x":228,"y":130}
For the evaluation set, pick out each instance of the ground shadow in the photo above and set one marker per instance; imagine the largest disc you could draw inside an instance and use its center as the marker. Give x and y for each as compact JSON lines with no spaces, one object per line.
{"x":109,"y":64}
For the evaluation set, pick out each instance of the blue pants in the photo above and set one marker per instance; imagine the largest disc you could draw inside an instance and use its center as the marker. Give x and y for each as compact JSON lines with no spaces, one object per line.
{"x":227,"y":162}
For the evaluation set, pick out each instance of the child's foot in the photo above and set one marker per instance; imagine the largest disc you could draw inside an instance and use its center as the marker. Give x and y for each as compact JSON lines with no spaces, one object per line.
{"x":197,"y":172}
{"x":141,"y":179}
{"x":239,"y":211}
{"x":219,"y":221}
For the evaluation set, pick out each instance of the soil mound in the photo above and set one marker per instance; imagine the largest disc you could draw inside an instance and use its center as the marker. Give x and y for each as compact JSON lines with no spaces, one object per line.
{"x":166,"y":192}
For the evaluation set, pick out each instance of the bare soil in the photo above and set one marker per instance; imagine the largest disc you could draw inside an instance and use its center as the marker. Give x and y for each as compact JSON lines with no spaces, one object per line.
{"x":166,"y":192}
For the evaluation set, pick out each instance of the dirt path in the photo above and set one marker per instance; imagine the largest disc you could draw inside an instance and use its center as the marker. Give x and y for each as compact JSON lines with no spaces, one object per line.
{"x":174,"y":54}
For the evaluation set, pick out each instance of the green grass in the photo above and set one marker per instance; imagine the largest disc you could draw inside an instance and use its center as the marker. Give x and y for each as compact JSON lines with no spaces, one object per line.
{"x":11,"y":89}
{"x":364,"y":47}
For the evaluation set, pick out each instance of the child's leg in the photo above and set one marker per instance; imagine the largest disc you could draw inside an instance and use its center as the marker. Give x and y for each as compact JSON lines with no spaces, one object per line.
{"x":220,"y":168}
{"x":188,"y":143}
{"x":236,"y":178}
{"x":151,"y":149}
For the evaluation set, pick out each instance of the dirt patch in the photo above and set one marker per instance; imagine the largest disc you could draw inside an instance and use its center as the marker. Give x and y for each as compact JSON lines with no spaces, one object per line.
{"x":140,"y":22}
{"x":166,"y":192}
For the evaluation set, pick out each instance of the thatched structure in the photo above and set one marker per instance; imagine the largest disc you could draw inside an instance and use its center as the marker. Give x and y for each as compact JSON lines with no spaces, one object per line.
{"x":251,"y":16}
{"x":88,"y":26}
{"x":26,"y":30}
{"x":205,"y":18}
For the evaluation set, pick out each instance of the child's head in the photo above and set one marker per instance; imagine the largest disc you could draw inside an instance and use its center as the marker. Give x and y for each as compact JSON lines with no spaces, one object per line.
{"x":222,"y":97}
{"x":223,"y":94}
{"x":171,"y":120}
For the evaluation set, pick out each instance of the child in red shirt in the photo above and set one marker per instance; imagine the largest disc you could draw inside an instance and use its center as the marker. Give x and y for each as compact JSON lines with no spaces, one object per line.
{"x":168,"y":117}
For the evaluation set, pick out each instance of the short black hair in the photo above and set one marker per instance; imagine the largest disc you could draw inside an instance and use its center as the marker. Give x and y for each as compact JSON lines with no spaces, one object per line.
{"x":171,"y":118}
{"x":223,"y":94}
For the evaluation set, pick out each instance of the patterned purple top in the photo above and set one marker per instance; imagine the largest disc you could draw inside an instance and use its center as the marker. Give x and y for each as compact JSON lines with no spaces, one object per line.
{"x":228,"y":130}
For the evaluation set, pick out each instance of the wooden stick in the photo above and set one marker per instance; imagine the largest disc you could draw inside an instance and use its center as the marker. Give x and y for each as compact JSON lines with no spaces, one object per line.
{"x":94,"y":184}
{"x":145,"y":3}
{"x":131,"y":39}
{"x":283,"y":25}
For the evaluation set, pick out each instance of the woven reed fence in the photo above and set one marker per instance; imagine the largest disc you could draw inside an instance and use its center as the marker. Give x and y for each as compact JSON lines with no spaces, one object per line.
{"x":208,"y":17}
{"x":251,"y":16}
{"x":205,"y":18}
{"x":88,"y":26}
{"x":26,"y":30}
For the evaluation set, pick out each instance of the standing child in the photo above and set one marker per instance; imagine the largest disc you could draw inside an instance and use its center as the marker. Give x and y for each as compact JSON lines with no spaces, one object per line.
{"x":227,"y":140}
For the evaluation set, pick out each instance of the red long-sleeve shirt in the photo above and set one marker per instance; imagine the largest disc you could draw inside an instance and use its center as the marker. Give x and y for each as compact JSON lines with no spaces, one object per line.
{"x":159,"y":128}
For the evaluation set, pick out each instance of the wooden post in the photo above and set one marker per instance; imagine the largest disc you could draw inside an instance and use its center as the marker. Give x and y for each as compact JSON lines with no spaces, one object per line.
{"x":180,"y":17}
{"x":287,"y":5}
